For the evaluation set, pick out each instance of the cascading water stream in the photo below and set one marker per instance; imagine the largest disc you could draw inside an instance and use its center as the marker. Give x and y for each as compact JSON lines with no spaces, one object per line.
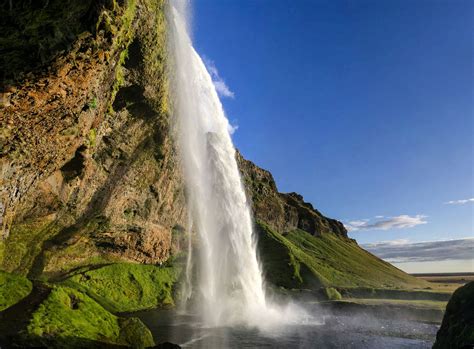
{"x":230,"y":282}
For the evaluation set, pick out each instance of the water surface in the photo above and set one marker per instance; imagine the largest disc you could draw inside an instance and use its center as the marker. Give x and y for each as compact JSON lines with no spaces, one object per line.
{"x":341,"y":331}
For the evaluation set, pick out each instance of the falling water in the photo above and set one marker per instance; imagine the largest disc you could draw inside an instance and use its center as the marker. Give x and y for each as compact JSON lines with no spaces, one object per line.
{"x":230,"y":283}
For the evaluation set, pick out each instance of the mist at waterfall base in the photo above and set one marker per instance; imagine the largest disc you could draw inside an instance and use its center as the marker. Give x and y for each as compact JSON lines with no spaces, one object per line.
{"x":230,"y":287}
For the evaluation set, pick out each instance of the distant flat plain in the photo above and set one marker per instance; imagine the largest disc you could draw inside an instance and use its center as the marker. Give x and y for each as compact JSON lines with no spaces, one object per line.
{"x":450,"y":281}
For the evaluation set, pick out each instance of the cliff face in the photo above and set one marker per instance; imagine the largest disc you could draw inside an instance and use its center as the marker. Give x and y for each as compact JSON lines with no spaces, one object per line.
{"x":283,"y":212}
{"x":89,"y":172}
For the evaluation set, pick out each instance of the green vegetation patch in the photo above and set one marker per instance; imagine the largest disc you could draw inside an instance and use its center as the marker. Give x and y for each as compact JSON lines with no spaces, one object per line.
{"x":300,"y":260}
{"x":332,"y":294}
{"x":13,"y":288}
{"x":24,"y":243}
{"x":126,"y":287}
{"x":68,"y":315}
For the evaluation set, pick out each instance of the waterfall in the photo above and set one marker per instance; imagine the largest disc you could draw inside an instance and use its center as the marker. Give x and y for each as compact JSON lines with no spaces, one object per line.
{"x":230,"y":281}
{"x":230,"y":285}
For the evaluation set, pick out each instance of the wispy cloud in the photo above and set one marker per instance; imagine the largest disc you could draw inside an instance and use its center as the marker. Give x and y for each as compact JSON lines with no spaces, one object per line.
{"x":386,"y":223}
{"x":219,"y":83}
{"x":459,"y":202}
{"x":232,"y":128}
{"x":402,"y":251}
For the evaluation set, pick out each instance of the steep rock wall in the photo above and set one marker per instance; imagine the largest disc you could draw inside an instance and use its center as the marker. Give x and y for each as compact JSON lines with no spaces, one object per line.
{"x":89,"y":172}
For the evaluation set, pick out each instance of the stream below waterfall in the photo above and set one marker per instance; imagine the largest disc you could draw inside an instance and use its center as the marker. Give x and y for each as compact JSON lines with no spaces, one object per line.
{"x":341,"y":331}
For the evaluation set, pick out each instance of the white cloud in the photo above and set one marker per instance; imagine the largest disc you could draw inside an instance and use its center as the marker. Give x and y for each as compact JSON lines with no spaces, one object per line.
{"x":403,"y":251}
{"x":459,"y":202}
{"x":232,"y":128}
{"x":219,"y":83}
{"x":396,"y":222}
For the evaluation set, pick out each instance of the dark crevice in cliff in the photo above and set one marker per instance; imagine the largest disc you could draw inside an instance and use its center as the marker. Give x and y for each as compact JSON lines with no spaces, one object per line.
{"x":132,"y":98}
{"x":74,"y":167}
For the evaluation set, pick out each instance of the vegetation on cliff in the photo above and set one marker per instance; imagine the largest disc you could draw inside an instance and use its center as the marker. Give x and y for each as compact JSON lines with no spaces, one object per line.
{"x":297,"y":259}
{"x":127,"y":287}
{"x":13,"y":288}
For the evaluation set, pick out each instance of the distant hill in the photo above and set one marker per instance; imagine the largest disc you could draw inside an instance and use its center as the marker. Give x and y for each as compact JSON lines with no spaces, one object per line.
{"x":301,"y":248}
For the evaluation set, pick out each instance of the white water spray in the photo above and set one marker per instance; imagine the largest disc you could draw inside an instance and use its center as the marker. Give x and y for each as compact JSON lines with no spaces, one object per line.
{"x":230,"y":282}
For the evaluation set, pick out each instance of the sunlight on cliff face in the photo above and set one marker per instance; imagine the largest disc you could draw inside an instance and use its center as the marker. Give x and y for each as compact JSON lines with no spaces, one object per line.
{"x":230,"y":286}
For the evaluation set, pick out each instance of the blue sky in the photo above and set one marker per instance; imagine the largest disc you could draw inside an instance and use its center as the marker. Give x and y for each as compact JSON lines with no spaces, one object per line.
{"x":363,"y":107}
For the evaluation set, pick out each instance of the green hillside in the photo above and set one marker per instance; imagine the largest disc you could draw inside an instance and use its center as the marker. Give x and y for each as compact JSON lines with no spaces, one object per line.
{"x":298,"y":259}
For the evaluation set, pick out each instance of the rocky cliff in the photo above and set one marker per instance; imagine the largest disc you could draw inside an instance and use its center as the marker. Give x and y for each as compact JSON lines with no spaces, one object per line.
{"x":283,"y":212}
{"x":89,"y":172}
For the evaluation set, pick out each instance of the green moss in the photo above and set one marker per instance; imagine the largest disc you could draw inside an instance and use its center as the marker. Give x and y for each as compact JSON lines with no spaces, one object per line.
{"x":24,"y":243}
{"x":281,"y":267}
{"x":156,"y":64}
{"x":125,"y":287}
{"x":13,"y":288}
{"x":123,"y":33}
{"x":332,"y":294}
{"x":69,"y":314}
{"x":299,"y":259}
{"x":133,"y":331}
{"x":93,"y":103}
{"x":92,"y":137}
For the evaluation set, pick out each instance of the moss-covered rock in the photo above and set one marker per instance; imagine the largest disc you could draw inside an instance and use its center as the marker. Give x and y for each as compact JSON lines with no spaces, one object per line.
{"x":332,"y":294}
{"x":68,"y":317}
{"x":126,"y":287}
{"x":457,"y":328}
{"x":13,"y":288}
{"x":135,"y":333}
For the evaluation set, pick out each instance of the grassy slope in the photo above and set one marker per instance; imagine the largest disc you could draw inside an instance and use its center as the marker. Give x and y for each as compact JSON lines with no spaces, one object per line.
{"x":300,"y":260}
{"x":13,"y":288}
{"x":125,"y":287}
